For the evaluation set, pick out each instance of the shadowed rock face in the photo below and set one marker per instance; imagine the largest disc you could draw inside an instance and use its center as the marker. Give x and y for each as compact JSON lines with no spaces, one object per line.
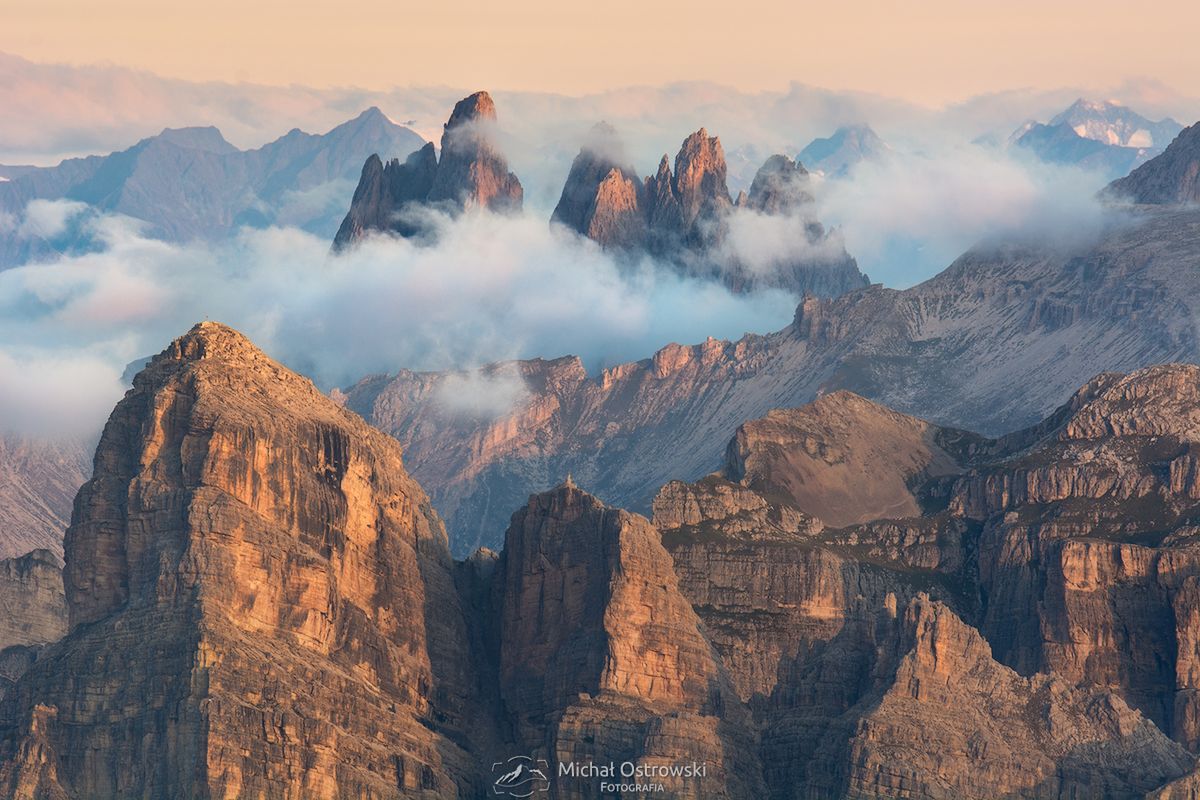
{"x":781,"y":186}
{"x":33,"y":611}
{"x":385,"y":191}
{"x":1169,"y":178}
{"x":38,"y":480}
{"x":31,"y":595}
{"x":683,"y":217}
{"x":472,"y":173}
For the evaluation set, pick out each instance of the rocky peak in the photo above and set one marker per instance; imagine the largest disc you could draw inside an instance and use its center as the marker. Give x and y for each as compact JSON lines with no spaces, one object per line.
{"x":699,"y":181}
{"x":249,"y":554}
{"x":684,"y":217}
{"x":475,"y":107}
{"x":212,"y":340}
{"x":781,"y":186}
{"x":602,"y":197}
{"x":472,"y":173}
{"x":386,"y":194}
{"x":1172,"y":177}
{"x":664,"y":214}
{"x":850,"y":145}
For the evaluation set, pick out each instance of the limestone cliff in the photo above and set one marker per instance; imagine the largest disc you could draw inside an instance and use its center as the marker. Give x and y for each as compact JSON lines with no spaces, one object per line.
{"x":33,"y":608}
{"x":261,"y":604}
{"x":601,"y":656}
{"x":1069,"y":545}
{"x":33,"y":611}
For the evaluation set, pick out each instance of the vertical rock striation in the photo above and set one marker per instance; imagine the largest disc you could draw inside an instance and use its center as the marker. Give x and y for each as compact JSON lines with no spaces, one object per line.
{"x":601,"y":656}
{"x":261,"y":604}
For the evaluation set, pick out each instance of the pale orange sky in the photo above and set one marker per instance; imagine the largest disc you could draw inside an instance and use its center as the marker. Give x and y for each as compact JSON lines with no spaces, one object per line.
{"x":929,"y":52}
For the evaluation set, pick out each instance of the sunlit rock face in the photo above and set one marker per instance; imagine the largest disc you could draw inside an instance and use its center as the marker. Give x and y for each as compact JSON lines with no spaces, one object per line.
{"x":261,"y":603}
{"x":688,"y":222}
{"x":471,"y":173}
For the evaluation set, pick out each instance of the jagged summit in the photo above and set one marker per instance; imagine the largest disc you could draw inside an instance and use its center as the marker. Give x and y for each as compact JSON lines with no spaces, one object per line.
{"x":1114,"y":123}
{"x":471,"y":173}
{"x":478,"y":106}
{"x":780,"y":187}
{"x":682,"y":216}
{"x":1103,"y":136}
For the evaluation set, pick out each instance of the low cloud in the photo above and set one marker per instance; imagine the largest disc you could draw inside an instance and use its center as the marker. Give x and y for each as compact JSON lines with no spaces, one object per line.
{"x":908,"y":217}
{"x":482,"y":394}
{"x":493,"y":288}
{"x":48,"y":219}
{"x":765,"y":243}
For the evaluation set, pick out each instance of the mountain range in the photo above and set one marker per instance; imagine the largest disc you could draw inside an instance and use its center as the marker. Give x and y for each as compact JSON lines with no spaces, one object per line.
{"x":681,"y":218}
{"x":1043,"y":316}
{"x":1103,"y":136}
{"x":260,"y":601}
{"x":190,"y":183}
{"x":931,"y":543}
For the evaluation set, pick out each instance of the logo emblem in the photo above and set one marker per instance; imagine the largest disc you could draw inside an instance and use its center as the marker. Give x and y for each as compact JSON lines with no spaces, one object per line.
{"x":520,"y":776}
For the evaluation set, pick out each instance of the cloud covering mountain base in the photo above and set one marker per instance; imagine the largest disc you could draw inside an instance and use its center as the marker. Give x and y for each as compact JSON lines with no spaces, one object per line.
{"x":492,"y":288}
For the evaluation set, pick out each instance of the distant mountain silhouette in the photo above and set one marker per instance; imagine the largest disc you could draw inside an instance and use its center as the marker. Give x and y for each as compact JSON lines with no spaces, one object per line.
{"x":190,"y":183}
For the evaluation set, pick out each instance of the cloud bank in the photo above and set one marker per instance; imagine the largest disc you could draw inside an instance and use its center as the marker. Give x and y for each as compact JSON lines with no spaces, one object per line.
{"x":493,"y":288}
{"x":908,"y":217}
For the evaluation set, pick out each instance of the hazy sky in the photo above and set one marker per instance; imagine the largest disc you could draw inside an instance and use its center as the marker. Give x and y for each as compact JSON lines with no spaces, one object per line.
{"x":926,"y":51}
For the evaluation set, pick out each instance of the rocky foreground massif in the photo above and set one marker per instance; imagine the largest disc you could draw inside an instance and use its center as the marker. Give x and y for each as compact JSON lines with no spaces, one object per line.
{"x":262,"y":603}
